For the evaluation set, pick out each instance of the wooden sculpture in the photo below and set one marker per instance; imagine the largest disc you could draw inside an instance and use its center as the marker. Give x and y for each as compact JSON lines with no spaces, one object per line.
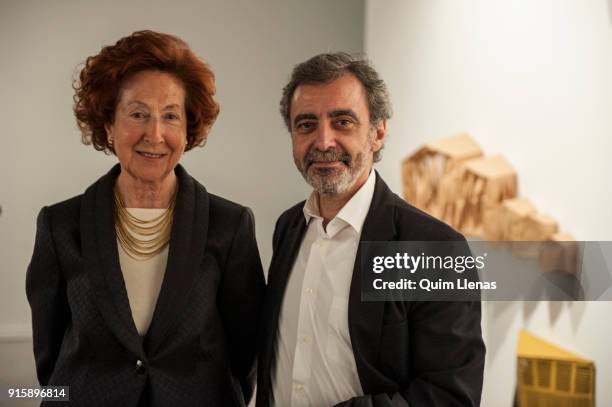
{"x":453,"y":181}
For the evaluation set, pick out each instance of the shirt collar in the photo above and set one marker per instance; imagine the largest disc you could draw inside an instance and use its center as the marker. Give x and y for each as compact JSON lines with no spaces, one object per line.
{"x":353,"y":212}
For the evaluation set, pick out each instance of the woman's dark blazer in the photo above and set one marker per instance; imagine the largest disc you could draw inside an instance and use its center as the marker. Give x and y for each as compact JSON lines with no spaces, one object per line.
{"x":200,"y":348}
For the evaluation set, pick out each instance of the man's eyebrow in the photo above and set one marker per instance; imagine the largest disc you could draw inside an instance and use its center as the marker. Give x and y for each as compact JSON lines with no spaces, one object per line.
{"x":304,"y":116}
{"x":343,"y":112}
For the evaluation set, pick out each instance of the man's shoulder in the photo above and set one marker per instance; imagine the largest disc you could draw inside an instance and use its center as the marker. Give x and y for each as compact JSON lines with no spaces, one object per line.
{"x":286,"y":221}
{"x":291,"y":216}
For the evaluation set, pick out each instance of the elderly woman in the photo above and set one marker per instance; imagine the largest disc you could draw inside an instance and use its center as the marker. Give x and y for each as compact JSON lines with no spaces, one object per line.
{"x":146,"y":289}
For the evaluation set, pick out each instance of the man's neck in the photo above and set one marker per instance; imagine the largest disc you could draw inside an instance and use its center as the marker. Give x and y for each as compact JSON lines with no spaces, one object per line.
{"x":330,"y":205}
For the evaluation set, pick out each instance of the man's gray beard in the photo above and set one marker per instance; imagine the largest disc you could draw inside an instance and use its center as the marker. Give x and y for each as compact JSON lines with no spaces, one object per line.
{"x":330,"y":182}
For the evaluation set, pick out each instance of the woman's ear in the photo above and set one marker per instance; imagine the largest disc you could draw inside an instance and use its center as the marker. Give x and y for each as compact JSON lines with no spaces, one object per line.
{"x":109,"y":133}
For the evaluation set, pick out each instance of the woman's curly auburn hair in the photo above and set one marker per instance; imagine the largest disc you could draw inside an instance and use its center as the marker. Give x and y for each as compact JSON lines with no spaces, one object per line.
{"x":98,"y":88}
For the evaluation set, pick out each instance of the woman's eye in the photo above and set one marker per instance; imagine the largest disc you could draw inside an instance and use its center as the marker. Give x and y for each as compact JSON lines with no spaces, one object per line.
{"x":172,"y":116}
{"x":138,"y":115}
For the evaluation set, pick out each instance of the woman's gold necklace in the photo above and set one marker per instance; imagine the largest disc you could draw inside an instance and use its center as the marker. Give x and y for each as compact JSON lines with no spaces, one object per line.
{"x":156,"y":231}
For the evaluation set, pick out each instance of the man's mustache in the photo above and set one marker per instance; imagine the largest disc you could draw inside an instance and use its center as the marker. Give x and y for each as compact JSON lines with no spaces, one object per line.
{"x":329,"y":155}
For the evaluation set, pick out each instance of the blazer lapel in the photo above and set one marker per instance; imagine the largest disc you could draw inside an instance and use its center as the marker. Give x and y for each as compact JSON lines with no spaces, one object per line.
{"x":185,"y":253}
{"x":101,"y":256}
{"x":280,"y":269}
{"x":366,"y":317}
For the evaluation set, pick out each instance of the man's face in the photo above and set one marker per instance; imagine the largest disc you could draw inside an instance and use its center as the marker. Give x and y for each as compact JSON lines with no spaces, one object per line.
{"x":333,"y":140}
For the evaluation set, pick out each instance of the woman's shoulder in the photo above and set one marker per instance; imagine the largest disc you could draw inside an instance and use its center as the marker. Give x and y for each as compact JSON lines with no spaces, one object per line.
{"x":66,"y":208}
{"x":219,"y":207}
{"x":73,"y":205}
{"x":225,"y":208}
{"x":225,"y":216}
{"x":65,"y":212}
{"x":61,"y":218}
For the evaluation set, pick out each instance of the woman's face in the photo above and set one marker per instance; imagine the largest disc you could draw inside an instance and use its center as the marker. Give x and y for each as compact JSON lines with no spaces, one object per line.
{"x":150,"y":129}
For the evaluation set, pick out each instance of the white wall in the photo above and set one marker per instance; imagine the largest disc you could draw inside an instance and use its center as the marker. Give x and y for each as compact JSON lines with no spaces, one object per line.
{"x":252,"y":47}
{"x":531,"y":80}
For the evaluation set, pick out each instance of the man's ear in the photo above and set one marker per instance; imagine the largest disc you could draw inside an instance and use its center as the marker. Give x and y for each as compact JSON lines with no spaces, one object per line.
{"x":380,"y":132}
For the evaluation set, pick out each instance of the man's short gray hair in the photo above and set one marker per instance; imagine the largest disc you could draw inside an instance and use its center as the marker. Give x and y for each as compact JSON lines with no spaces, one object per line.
{"x":324,"y":68}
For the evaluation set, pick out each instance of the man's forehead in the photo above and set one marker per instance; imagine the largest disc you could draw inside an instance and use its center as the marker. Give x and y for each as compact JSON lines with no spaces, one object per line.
{"x":345,"y":92}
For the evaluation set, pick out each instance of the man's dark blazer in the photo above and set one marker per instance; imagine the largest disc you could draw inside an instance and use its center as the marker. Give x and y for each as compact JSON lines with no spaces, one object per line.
{"x":199,"y":349}
{"x":407,"y":353}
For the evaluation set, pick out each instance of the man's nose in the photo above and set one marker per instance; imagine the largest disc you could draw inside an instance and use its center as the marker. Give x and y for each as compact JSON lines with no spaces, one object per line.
{"x":325,"y":137}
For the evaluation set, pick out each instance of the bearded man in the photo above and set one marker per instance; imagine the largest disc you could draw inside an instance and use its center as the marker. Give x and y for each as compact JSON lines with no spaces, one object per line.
{"x":321,"y":344}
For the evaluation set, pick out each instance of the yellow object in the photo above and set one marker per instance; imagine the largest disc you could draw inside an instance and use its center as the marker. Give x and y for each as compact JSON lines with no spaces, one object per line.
{"x":550,"y":376}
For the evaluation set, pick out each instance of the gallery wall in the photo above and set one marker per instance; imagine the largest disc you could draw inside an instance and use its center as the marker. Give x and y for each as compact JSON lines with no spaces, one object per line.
{"x":531,"y":80}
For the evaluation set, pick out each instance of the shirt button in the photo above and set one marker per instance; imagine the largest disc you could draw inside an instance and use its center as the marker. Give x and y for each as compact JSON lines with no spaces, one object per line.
{"x":309,"y":290}
{"x":306,"y":339}
{"x":140,"y":367}
{"x":299,"y":387}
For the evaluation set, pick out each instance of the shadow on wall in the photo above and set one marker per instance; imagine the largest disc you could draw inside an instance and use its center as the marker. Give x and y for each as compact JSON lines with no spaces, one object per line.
{"x":610,"y":10}
{"x":500,"y":317}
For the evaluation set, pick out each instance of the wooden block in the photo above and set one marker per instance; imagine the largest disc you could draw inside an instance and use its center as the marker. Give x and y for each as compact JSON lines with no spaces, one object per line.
{"x":459,"y":147}
{"x":529,"y":231}
{"x":559,"y":254}
{"x":538,"y":227}
{"x":501,"y":221}
{"x":424,"y":170}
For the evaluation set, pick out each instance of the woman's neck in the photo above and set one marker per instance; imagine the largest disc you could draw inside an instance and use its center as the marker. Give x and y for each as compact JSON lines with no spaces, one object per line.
{"x":137,"y":193}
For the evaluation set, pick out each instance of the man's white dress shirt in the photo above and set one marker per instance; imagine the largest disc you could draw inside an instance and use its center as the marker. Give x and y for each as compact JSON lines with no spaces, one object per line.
{"x":315,"y":365}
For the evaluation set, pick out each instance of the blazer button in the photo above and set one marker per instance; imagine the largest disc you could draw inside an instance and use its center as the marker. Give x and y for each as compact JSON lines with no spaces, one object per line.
{"x":140,"y":367}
